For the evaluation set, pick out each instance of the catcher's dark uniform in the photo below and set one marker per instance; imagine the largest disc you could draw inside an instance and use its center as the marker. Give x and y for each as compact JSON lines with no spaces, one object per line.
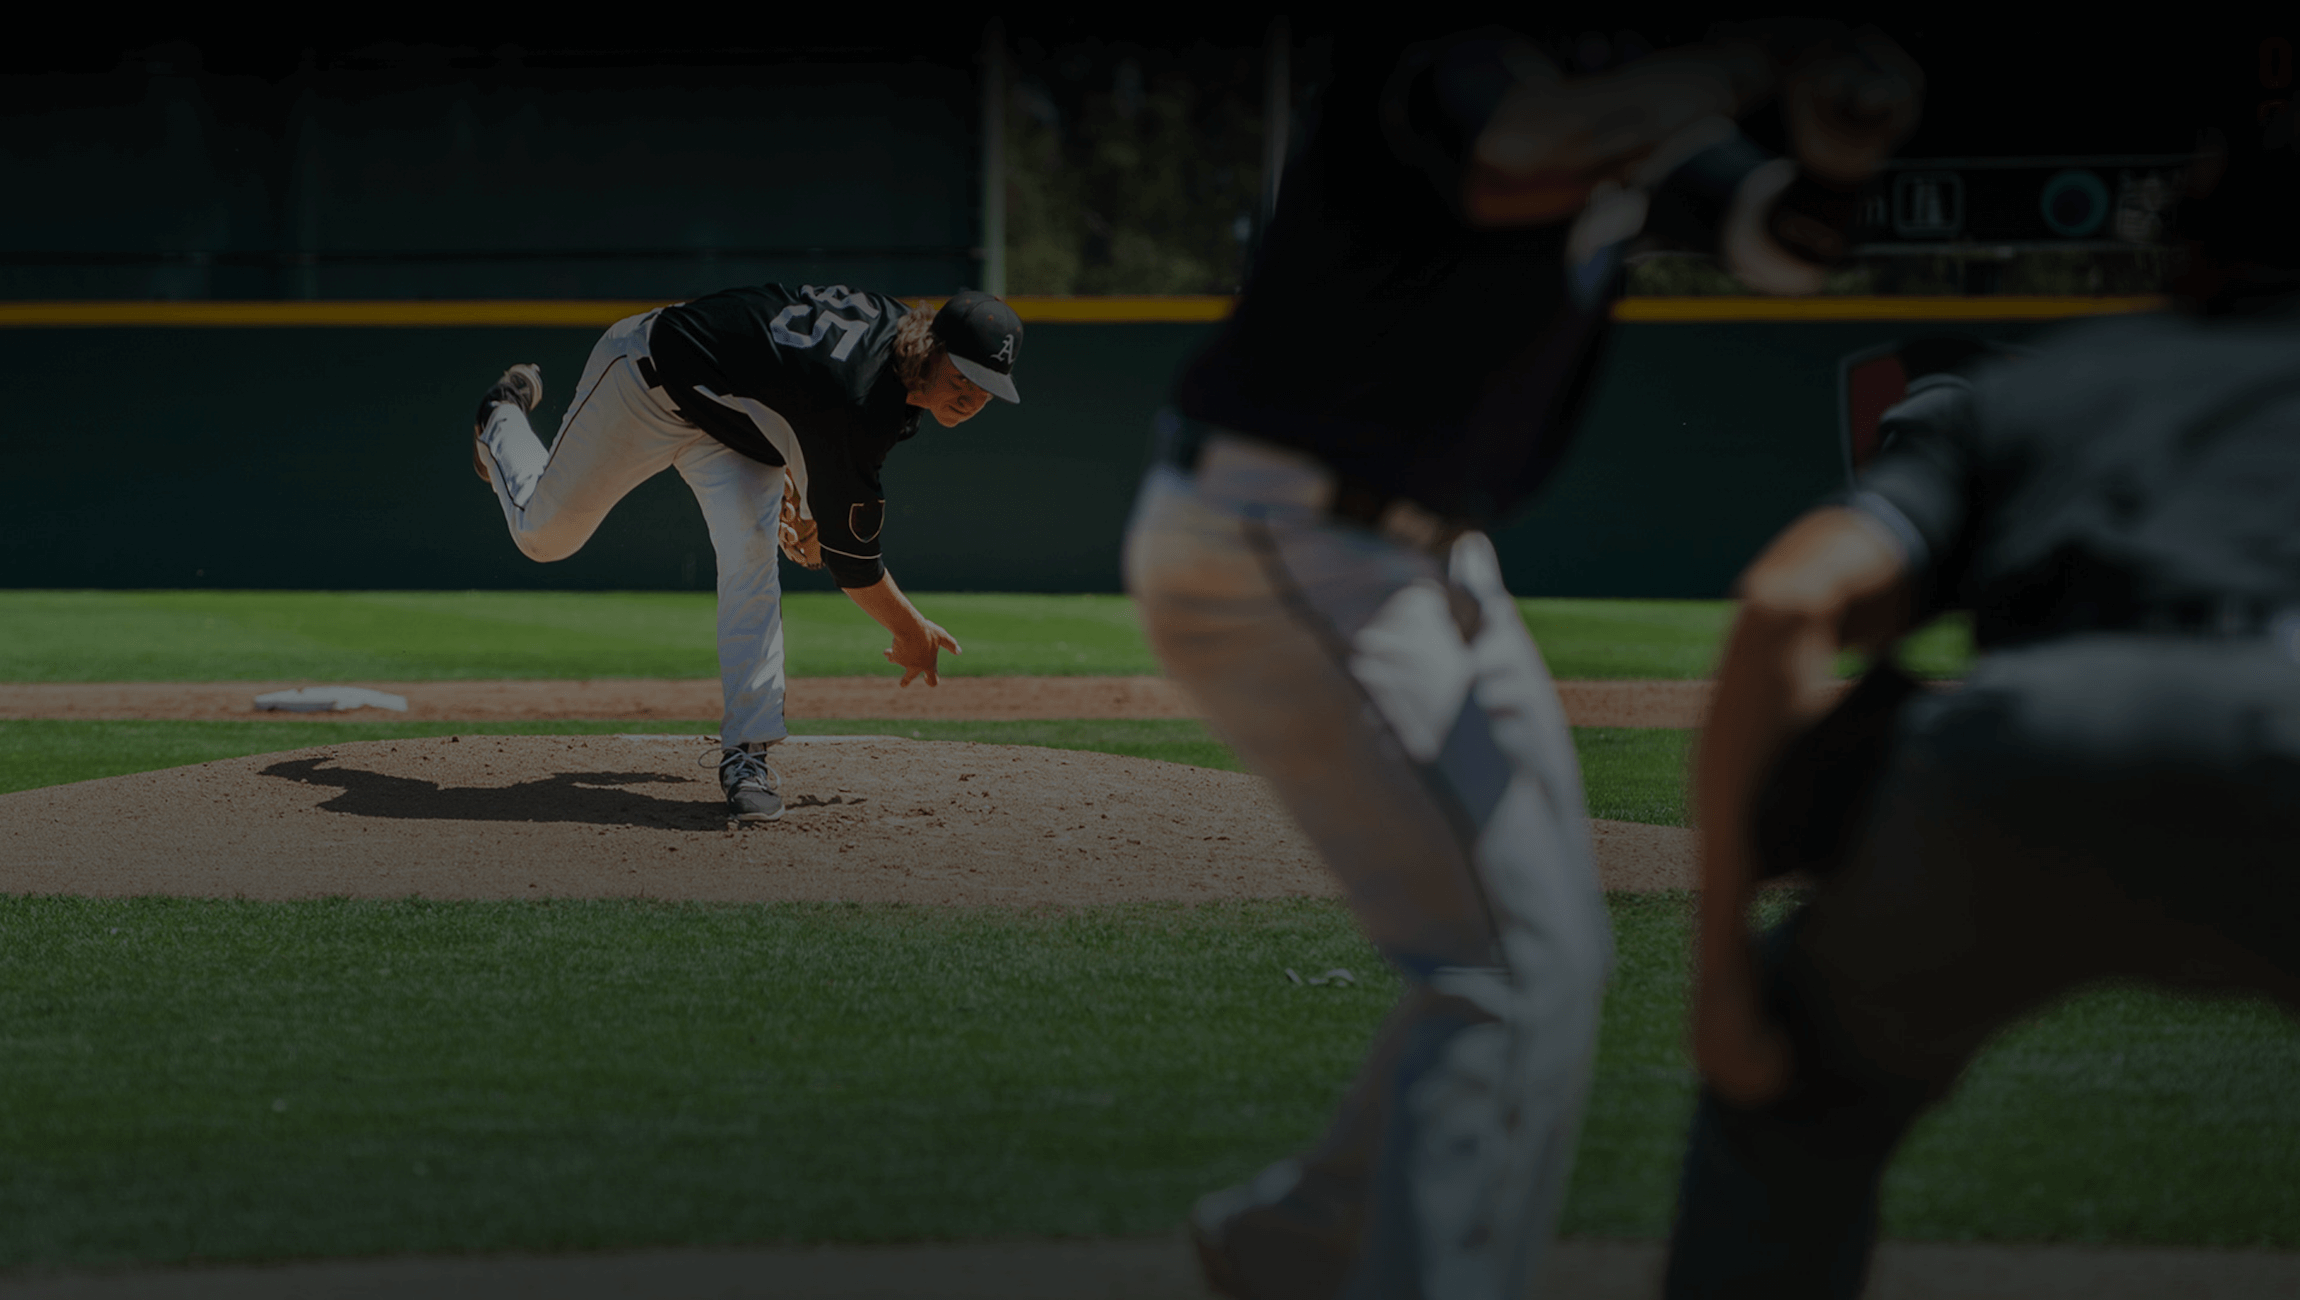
{"x":2113,"y":791}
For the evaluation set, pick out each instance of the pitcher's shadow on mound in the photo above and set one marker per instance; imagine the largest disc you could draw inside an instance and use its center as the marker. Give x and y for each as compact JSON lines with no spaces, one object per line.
{"x":596,"y":798}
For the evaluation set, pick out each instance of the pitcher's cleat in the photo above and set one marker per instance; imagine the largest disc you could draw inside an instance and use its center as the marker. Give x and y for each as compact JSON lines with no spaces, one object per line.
{"x":752,"y":786}
{"x":522,"y":386}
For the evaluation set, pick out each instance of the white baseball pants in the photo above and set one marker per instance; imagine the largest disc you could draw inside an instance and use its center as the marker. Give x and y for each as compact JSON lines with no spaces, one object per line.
{"x":1395,"y":701}
{"x":617,"y":434}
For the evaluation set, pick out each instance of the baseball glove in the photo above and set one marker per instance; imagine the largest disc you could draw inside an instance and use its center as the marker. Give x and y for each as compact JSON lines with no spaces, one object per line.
{"x":796,"y":533}
{"x":1816,"y":797}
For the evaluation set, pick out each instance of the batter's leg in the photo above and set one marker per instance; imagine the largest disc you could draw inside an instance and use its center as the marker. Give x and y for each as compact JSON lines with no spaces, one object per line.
{"x":741,"y":499}
{"x":614,"y":437}
{"x":1403,"y":716}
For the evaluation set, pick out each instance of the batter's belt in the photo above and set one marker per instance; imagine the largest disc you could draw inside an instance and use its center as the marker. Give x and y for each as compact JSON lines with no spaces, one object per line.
{"x":1181,"y":443}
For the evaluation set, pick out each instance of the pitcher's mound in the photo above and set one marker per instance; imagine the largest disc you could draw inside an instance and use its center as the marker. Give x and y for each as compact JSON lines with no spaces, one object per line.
{"x":875,"y":819}
{"x":871,"y":818}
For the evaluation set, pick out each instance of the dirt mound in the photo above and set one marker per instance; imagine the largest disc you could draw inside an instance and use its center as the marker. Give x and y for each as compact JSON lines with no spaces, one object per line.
{"x":870,"y":819}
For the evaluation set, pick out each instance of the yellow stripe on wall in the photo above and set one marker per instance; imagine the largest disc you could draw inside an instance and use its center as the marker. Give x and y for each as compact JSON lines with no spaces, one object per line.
{"x":598,"y":314}
{"x":1708,"y":310}
{"x":1136,"y":310}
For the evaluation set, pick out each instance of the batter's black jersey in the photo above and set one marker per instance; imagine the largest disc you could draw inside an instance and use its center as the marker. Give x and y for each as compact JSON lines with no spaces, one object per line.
{"x":1412,"y":352}
{"x":2133,"y":473}
{"x":1419,"y":355}
{"x":802,"y":378}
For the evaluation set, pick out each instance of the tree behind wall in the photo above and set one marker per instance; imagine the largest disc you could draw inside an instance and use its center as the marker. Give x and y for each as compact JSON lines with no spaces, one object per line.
{"x":1132,"y":169}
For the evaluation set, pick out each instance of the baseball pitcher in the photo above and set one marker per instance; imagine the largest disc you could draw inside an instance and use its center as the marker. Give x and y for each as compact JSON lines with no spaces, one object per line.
{"x":778,"y":407}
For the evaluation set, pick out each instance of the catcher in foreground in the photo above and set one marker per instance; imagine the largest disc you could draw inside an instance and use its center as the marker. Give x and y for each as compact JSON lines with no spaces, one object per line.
{"x":2112,"y":792}
{"x":778,"y":407}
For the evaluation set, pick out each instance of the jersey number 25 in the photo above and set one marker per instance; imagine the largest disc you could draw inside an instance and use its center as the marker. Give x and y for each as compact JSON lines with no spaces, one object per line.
{"x":837,"y":295}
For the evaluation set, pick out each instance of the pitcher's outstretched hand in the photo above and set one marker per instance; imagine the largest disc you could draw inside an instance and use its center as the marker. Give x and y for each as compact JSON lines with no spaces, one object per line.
{"x":914,"y":652}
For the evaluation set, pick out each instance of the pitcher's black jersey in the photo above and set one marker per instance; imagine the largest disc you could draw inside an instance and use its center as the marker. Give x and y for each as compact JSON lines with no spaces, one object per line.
{"x":803,"y":378}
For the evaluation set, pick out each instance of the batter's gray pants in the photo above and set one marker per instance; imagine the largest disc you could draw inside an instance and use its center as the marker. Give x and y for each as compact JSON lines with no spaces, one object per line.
{"x":617,"y":434}
{"x":1395,"y":702}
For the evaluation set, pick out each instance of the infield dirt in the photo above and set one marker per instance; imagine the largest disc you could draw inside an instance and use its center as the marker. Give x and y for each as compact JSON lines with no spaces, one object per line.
{"x":1587,"y":703}
{"x":876,"y":819}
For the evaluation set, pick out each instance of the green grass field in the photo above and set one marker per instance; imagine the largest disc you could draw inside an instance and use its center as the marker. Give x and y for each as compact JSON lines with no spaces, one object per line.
{"x":223,"y":1080}
{"x":80,"y":636}
{"x":228,"y":1080}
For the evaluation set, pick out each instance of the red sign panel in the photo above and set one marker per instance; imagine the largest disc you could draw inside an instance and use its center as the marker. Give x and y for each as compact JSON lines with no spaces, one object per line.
{"x":1872,"y":383}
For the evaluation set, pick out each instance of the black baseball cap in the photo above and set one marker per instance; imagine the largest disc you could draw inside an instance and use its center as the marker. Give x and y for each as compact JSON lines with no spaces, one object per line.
{"x":981,"y":334}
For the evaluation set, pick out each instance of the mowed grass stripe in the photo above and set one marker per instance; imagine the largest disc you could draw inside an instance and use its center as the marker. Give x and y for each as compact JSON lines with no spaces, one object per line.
{"x":97,"y":636}
{"x":1631,"y":774}
{"x":247,"y":1081}
{"x":227,"y":1080}
{"x":422,"y":636}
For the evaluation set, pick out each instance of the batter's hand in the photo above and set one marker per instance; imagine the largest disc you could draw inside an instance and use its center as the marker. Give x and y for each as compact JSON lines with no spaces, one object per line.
{"x":914,"y":652}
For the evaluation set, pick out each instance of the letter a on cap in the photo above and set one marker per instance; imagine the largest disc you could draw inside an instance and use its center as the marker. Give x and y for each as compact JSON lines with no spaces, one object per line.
{"x":981,"y":335}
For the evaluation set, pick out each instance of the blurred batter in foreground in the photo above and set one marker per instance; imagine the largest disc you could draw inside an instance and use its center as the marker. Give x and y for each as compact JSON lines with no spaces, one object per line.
{"x":1419,"y":331}
{"x":2114,"y":790}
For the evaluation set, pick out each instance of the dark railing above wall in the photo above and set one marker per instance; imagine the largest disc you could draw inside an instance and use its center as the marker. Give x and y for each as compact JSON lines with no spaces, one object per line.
{"x":270,"y":257}
{"x":297,"y":168}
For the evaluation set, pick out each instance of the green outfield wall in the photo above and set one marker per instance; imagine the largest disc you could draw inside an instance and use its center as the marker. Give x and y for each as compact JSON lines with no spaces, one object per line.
{"x":338,"y":456}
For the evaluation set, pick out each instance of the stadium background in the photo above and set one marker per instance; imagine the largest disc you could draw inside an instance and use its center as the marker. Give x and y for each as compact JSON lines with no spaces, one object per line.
{"x":167,"y":428}
{"x":249,"y":287}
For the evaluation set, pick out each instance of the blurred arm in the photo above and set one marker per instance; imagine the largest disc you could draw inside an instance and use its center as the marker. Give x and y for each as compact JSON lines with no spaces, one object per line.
{"x":1551,"y":141}
{"x":1664,"y":125}
{"x":1833,"y":580}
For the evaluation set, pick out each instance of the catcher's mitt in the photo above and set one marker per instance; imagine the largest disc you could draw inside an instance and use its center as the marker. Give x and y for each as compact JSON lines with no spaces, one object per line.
{"x":795,"y":532}
{"x":1820,"y":790}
